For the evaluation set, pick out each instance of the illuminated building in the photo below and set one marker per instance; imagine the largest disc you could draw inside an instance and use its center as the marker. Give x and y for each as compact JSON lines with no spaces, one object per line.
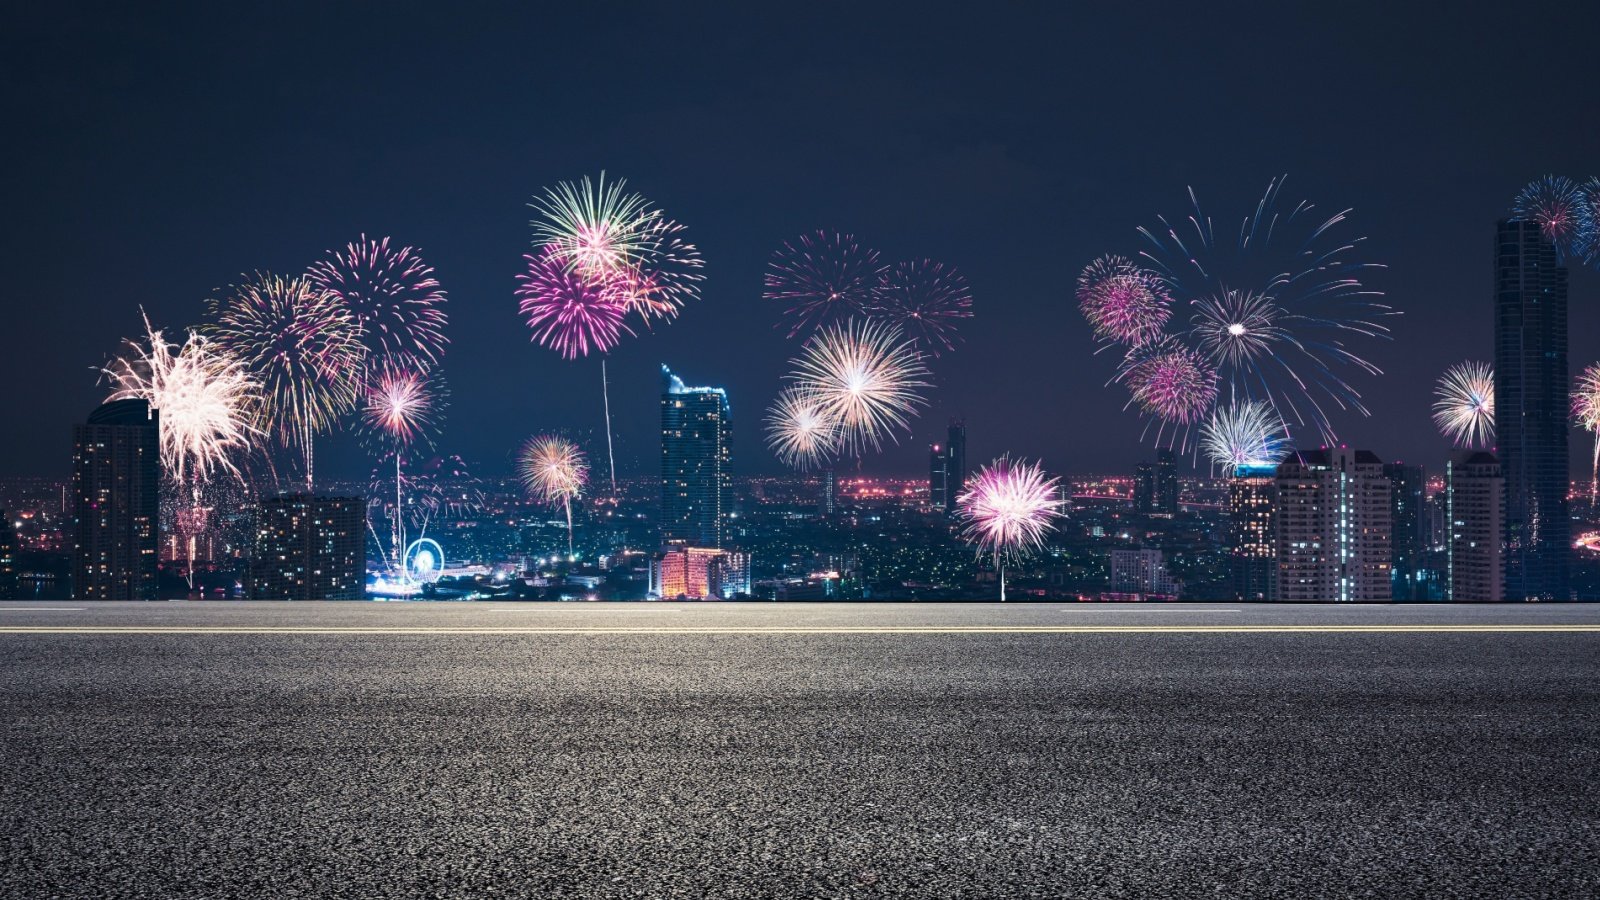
{"x":1166,"y":485}
{"x":1252,"y":533}
{"x":1408,"y":515}
{"x":8,"y":558}
{"x":309,"y":547}
{"x":116,"y":477}
{"x":1141,"y":572}
{"x":696,"y":448}
{"x":1531,"y":412}
{"x":699,"y":573}
{"x":947,"y":468}
{"x":1333,"y":526}
{"x":1476,"y":496}
{"x":938,"y":476}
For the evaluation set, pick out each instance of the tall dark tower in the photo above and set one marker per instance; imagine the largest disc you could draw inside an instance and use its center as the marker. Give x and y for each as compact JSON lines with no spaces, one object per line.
{"x":1166,"y":484}
{"x":1407,"y":494}
{"x":1530,"y":385}
{"x":116,"y":477}
{"x":696,"y":447}
{"x":939,"y":476}
{"x":955,"y":471}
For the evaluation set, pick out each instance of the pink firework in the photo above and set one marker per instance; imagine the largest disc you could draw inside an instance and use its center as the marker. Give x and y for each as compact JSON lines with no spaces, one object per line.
{"x":668,"y":276}
{"x":401,"y":404}
{"x":822,"y":278}
{"x":1123,"y":302}
{"x":568,"y":311}
{"x":1171,"y":381}
{"x":392,"y":296}
{"x":927,"y":300}
{"x":1007,"y":509}
{"x":1556,"y":204}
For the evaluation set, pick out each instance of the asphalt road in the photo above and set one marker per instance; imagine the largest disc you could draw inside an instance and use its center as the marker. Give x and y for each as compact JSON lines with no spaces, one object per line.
{"x":723,"y":750}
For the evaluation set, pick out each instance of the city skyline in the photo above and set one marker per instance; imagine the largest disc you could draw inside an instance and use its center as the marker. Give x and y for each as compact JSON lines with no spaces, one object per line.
{"x":1430,"y":225}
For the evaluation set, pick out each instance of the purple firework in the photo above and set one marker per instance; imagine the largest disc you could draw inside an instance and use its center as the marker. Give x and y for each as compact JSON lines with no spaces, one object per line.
{"x":822,"y":278}
{"x":1170,"y":381}
{"x":568,"y":311}
{"x":1555,"y":203}
{"x":926,"y":300}
{"x":1123,"y":302}
{"x":393,"y":297}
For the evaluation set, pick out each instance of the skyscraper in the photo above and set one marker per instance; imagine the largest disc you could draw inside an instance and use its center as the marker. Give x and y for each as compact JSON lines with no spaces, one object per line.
{"x":1144,"y":490}
{"x":309,"y":547}
{"x":1407,"y":499}
{"x":8,"y":558}
{"x":938,"y":476}
{"x":696,"y":447}
{"x":1333,"y":526}
{"x":116,"y":477}
{"x":956,"y":464}
{"x":1253,"y":533}
{"x":1476,"y":498}
{"x":1166,"y":485}
{"x":1530,"y":384}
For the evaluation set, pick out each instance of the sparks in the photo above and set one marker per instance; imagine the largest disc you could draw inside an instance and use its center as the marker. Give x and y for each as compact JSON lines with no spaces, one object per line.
{"x":1123,"y":303}
{"x":396,"y":303}
{"x":1464,"y":410}
{"x":822,"y":279}
{"x":1243,"y":435}
{"x":927,"y":300}
{"x":863,"y":376}
{"x":799,"y":430}
{"x":1007,"y":509}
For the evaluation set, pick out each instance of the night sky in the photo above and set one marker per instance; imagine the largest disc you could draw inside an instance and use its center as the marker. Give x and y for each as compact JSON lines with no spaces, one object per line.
{"x":151,"y":157}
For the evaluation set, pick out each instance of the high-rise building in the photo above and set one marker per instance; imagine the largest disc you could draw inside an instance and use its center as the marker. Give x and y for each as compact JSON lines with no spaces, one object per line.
{"x":947,"y":469}
{"x":695,"y":573}
{"x":116,"y":478}
{"x":1166,"y":485}
{"x":696,"y":448}
{"x":1333,"y":526}
{"x":1408,"y":486}
{"x":1530,"y":385}
{"x":1476,"y":496}
{"x":309,"y":547}
{"x":1141,"y":571}
{"x":1253,"y":533}
{"x":1144,"y":490}
{"x":8,"y":558}
{"x":938,"y":476}
{"x":829,"y":502}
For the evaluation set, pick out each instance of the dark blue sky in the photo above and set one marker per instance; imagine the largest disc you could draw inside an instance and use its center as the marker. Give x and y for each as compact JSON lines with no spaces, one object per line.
{"x":153,"y":156}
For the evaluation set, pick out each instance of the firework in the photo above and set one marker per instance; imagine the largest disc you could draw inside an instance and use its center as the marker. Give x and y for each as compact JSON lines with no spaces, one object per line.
{"x":864,"y":377}
{"x":667,"y":277}
{"x":1244,"y":434}
{"x":1170,"y":381}
{"x":927,"y":300}
{"x":1586,"y":409}
{"x":1556,"y":204}
{"x":391,"y":295}
{"x":301,"y":345}
{"x":401,"y":404}
{"x":1123,"y":302}
{"x":554,"y":471}
{"x":822,"y":279}
{"x":1007,"y":509}
{"x":799,"y":431}
{"x":206,"y":399}
{"x":569,"y":312}
{"x":1236,"y":327}
{"x":594,"y":228}
{"x":1464,"y":410}
{"x":1587,"y":240}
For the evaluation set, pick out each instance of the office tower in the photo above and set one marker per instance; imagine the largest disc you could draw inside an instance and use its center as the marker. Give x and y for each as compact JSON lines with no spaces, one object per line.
{"x":1252,"y":533}
{"x":1333,"y":526}
{"x":955,"y":464}
{"x":1408,"y":487}
{"x":116,"y":477}
{"x":696,"y":446}
{"x":1476,"y":496}
{"x":830,"y":491}
{"x":309,"y":547}
{"x":939,"y":476}
{"x":1166,"y":485}
{"x":695,"y":573}
{"x":1141,"y":572}
{"x":1530,"y":385}
{"x":1144,"y":490}
{"x":8,"y":558}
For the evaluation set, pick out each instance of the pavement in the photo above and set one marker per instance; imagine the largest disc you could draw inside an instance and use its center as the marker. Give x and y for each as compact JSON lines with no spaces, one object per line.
{"x":798,"y":750}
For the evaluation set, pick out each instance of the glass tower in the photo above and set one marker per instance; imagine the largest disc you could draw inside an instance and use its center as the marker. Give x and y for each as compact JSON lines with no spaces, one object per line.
{"x":696,"y":446}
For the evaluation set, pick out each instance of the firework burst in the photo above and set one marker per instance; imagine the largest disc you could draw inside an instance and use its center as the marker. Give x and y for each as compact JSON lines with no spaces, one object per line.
{"x":1464,"y":410}
{"x":1236,"y":327}
{"x":567,"y":311}
{"x":1556,"y":204}
{"x":391,"y":295}
{"x":301,"y":345}
{"x":1587,"y":240}
{"x":554,"y":471}
{"x":1124,"y":303}
{"x":1586,"y":409}
{"x":669,"y":278}
{"x":822,"y":279}
{"x":596,"y":228}
{"x":1244,"y":434}
{"x":864,"y":377}
{"x":927,"y":300}
{"x":401,"y":404}
{"x":1007,"y":509}
{"x":799,"y":430}
{"x":1170,"y":381}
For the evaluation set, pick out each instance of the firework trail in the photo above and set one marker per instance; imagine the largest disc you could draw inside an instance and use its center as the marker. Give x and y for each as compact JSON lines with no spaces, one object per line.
{"x":1123,"y":303}
{"x":1586,"y":409}
{"x":1244,"y":434}
{"x":1464,"y":410}
{"x":822,"y":279}
{"x":301,"y":345}
{"x":926,"y":300}
{"x":864,"y":377}
{"x":799,"y":430}
{"x":554,"y":471}
{"x":1277,"y":309}
{"x":1587,"y":241}
{"x":401,"y":405}
{"x":568,"y":312}
{"x":1556,"y":204}
{"x":392,"y":296}
{"x":1007,"y":509}
{"x":595,"y":228}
